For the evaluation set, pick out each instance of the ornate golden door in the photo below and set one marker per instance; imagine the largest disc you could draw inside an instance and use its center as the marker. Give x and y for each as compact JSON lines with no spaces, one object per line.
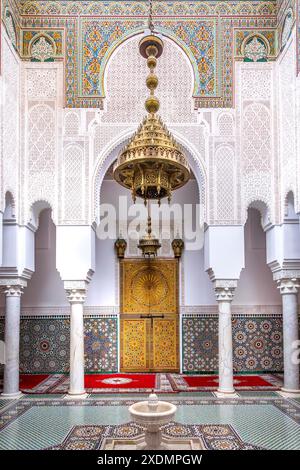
{"x":149,"y":315}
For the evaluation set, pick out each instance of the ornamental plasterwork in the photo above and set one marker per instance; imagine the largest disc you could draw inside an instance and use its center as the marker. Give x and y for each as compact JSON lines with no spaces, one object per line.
{"x":287,"y":120}
{"x":42,"y":50}
{"x":41,"y":83}
{"x":84,"y":68}
{"x":287,"y":28}
{"x":134,"y":8}
{"x":10,"y":120}
{"x":11,"y":29}
{"x":124,"y":103}
{"x":255,"y":50}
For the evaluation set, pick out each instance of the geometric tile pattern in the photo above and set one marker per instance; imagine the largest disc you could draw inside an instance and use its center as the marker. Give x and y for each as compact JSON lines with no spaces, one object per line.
{"x":214,"y":437}
{"x":41,"y":423}
{"x":257,"y":343}
{"x":45,"y":344}
{"x":101,"y":344}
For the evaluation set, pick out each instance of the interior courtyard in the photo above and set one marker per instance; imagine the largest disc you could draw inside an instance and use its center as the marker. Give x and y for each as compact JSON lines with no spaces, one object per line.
{"x":149,"y":225}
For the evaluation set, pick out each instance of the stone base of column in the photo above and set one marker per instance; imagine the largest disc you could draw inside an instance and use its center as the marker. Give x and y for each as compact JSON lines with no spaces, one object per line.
{"x":11,"y":396}
{"x":226,"y":394}
{"x":76,"y":396}
{"x":285,"y":392}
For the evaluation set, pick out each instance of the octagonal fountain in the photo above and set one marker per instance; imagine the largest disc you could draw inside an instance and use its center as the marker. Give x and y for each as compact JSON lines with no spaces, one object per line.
{"x":152,"y":415}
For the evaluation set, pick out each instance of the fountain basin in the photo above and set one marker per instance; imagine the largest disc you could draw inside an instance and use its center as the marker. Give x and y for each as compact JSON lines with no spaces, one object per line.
{"x":152,"y":418}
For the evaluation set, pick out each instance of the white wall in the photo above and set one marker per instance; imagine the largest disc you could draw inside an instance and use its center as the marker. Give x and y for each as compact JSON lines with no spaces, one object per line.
{"x":45,"y":289}
{"x":256,"y":285}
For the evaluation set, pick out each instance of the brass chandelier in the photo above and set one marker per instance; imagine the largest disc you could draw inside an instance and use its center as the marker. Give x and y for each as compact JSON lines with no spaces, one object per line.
{"x":152,"y":165}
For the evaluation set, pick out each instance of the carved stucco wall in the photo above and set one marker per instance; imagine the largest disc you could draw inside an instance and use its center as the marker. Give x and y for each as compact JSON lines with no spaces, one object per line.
{"x":287,"y":112}
{"x":61,"y":149}
{"x":10,"y":116}
{"x":256,"y":135}
{"x":41,"y":143}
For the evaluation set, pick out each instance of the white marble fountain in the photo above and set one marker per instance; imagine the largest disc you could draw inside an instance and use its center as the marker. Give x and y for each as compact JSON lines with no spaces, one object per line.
{"x":151,"y":415}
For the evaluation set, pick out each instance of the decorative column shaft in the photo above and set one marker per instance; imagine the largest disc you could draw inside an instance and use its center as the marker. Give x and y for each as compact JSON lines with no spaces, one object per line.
{"x":289,"y":290}
{"x":12,"y":340}
{"x":224,"y":294}
{"x":76,"y":298}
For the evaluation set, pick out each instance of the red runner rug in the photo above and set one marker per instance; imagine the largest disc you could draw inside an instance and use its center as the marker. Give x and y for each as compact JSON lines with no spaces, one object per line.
{"x":106,"y":381}
{"x":144,"y":383}
{"x":29,"y":381}
{"x":97,"y":383}
{"x":192,"y":383}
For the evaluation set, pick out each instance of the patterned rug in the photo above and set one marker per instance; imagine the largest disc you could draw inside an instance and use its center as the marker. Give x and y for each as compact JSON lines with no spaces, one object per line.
{"x":197,"y":383}
{"x":214,"y":436}
{"x":100,"y":383}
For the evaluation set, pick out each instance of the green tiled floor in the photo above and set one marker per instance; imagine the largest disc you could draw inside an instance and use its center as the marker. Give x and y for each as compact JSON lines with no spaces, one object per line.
{"x":252,"y":394}
{"x":4,"y":403}
{"x":261,"y":424}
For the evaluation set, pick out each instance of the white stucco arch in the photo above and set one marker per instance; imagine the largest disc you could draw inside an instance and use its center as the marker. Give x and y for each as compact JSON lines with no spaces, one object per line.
{"x":110,"y":153}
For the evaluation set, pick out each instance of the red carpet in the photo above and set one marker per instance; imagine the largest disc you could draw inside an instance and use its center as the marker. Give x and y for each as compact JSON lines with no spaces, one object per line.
{"x":119,"y":381}
{"x":30,"y":381}
{"x":239,"y":380}
{"x":97,"y":383}
{"x":194,"y":383}
{"x":144,"y":383}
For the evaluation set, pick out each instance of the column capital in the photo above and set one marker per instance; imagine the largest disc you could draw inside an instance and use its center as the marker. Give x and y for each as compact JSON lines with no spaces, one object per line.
{"x":224,"y":289}
{"x":12,"y":287}
{"x":76,"y":291}
{"x":288,"y":286}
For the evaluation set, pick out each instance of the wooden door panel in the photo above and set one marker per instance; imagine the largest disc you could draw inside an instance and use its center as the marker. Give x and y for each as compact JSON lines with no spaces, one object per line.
{"x":134,"y":345}
{"x":165,"y":344}
{"x":149,"y":288}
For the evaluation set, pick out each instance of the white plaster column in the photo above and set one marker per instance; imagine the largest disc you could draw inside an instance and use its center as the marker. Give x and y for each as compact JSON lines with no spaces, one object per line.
{"x":224,"y":293}
{"x":76,"y":297}
{"x":289,"y":290}
{"x":12,"y":341}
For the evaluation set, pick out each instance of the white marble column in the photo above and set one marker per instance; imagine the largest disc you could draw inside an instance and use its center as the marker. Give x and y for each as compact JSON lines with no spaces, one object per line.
{"x":224,"y":294}
{"x":12,"y":341}
{"x":289,"y":290}
{"x":76,"y":298}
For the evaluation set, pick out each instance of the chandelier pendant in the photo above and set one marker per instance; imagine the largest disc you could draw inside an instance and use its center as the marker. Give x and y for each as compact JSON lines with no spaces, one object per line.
{"x":153,"y":164}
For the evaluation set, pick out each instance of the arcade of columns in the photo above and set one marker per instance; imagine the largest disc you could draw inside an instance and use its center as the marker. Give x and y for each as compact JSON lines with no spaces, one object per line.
{"x":224,"y":260}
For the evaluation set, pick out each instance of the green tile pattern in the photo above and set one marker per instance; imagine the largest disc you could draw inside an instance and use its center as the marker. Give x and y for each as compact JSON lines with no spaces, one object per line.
{"x":251,"y":394}
{"x":267,"y":423}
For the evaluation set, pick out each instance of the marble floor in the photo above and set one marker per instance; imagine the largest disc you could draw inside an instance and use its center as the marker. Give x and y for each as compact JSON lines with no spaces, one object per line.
{"x":263,"y":419}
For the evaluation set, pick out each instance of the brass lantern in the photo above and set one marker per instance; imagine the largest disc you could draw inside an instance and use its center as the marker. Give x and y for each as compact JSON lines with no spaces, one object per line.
{"x":152,"y":164}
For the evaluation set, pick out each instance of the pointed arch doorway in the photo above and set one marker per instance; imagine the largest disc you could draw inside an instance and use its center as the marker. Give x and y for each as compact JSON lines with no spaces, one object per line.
{"x":149,"y":315}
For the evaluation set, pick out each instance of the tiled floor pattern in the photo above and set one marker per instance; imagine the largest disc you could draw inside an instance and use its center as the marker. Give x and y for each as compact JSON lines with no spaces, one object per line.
{"x":4,"y":403}
{"x":265,"y":421}
{"x":216,"y":437}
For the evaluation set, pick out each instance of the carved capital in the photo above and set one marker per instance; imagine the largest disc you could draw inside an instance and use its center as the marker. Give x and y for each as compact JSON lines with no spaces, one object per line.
{"x":76,"y":296}
{"x":76,"y":291}
{"x":12,"y":287}
{"x":288,"y":286}
{"x":13,"y":291}
{"x":224,"y":289}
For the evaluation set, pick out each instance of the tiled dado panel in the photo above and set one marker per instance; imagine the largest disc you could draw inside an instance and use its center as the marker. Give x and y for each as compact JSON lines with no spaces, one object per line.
{"x":257,"y":343}
{"x":45,"y":343}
